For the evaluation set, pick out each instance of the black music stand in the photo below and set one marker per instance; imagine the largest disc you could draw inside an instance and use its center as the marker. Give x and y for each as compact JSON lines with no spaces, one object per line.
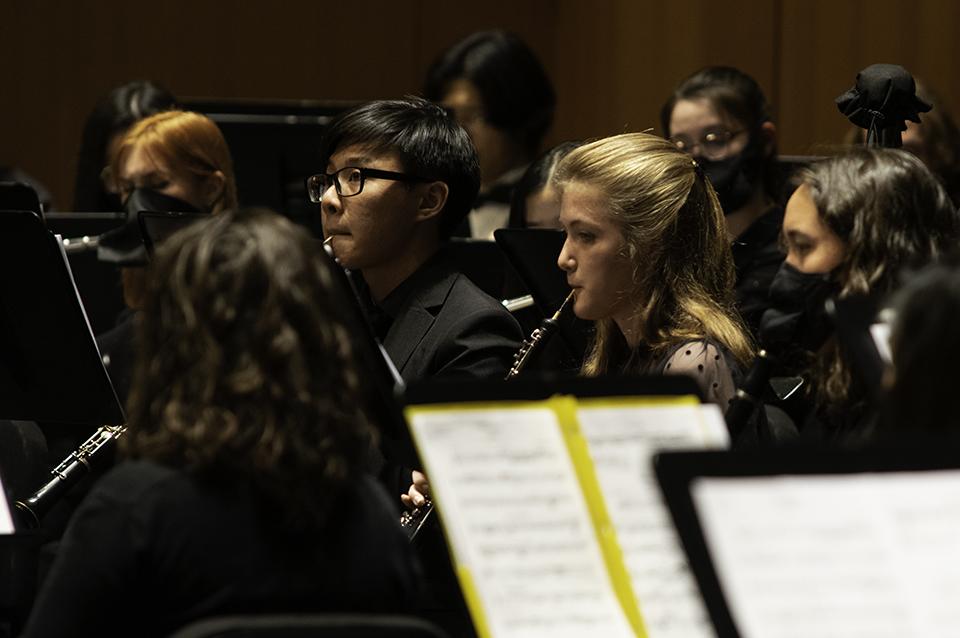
{"x":50,"y":368}
{"x":681,"y":474}
{"x":432,"y":544}
{"x":533,"y":253}
{"x":97,"y":281}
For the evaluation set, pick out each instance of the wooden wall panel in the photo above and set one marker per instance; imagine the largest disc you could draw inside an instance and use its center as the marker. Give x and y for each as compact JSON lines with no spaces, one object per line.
{"x":60,"y":57}
{"x":825,"y":43}
{"x":620,"y":59}
{"x":613,"y":61}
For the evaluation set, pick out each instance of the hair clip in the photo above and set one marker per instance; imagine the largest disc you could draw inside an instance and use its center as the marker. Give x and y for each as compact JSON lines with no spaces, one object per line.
{"x":696,"y":167}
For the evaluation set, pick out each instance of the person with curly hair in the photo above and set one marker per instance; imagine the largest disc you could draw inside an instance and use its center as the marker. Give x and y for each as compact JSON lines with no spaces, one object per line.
{"x":242,"y":486}
{"x":853,"y":226}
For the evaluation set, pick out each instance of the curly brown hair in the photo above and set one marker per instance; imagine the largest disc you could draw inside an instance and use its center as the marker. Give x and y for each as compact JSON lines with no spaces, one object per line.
{"x":246,"y":374}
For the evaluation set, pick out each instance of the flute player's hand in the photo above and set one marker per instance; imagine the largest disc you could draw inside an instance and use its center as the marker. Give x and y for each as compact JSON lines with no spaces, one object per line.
{"x":419,"y":491}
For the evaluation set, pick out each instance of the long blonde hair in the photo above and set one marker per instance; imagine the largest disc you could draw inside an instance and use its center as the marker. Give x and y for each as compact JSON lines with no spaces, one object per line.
{"x":183,"y":141}
{"x":675,"y":238}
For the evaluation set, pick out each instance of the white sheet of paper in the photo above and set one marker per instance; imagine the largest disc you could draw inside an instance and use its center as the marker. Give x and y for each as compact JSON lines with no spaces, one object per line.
{"x":622,"y":441}
{"x":880,"y":333}
{"x":852,"y":555}
{"x":517,"y":519}
{"x":6,"y":520}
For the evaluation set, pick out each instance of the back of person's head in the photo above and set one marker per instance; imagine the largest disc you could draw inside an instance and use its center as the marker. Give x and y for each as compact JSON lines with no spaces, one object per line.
{"x":890,"y":211}
{"x":925,"y":346}
{"x":187,"y":143}
{"x":535,"y":180}
{"x":427,"y":140}
{"x":112,"y":115}
{"x":517,"y":95}
{"x":674,"y":235}
{"x":246,"y":374}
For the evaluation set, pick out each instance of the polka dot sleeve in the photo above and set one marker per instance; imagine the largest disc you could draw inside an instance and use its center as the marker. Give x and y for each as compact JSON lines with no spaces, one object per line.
{"x":707,"y":365}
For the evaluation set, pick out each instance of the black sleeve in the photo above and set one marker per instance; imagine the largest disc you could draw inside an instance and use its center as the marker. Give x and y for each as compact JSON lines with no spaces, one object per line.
{"x":94,"y":569}
{"x":480,"y":345}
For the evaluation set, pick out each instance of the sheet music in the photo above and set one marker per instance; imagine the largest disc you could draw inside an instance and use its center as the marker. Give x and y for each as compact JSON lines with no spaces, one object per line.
{"x":517,"y":519}
{"x":850,"y":555}
{"x":622,"y":441}
{"x":6,"y":520}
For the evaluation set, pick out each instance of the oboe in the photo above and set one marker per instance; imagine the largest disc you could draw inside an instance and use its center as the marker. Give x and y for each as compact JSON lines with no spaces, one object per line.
{"x":69,"y":472}
{"x":537,"y":337}
{"x":412,"y":521}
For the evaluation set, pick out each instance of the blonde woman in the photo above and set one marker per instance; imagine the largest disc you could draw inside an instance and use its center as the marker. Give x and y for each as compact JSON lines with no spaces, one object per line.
{"x":648,"y":257}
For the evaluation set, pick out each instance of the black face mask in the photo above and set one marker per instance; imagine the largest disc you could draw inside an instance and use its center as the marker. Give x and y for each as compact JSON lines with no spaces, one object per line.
{"x":735,"y":178}
{"x":124,"y":245}
{"x":150,"y":200}
{"x":797,"y":316}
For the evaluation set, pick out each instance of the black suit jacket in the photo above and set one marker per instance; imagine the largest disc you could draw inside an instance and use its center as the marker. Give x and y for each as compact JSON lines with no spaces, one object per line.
{"x":443,"y":326}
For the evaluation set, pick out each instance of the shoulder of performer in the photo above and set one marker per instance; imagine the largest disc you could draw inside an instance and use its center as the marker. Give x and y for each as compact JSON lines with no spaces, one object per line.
{"x":708,"y":365}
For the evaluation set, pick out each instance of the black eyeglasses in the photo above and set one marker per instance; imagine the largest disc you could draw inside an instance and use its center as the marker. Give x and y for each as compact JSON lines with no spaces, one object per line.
{"x":713,"y":143}
{"x":349,"y":181}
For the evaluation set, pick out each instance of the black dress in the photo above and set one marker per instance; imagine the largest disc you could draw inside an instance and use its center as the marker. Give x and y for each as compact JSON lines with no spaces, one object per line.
{"x":757,"y":257}
{"x":152,"y":548}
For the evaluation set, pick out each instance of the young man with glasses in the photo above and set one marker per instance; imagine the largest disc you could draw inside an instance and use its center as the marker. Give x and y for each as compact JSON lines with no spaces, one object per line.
{"x":398,"y":177}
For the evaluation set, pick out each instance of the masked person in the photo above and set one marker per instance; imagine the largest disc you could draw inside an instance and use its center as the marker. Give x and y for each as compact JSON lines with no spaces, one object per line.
{"x":103,"y":131}
{"x":852,"y":226}
{"x":720,"y":116}
{"x":174,"y":161}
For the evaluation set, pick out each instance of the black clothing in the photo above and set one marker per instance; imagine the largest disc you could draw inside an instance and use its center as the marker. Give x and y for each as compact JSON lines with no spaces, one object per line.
{"x":152,"y":549}
{"x":757,"y":257}
{"x":438,"y":324}
{"x":119,"y":355}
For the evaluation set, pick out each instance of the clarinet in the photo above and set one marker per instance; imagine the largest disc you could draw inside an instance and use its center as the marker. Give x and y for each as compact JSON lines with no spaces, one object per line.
{"x":73,"y":468}
{"x":536,"y":338}
{"x":749,"y":396}
{"x":412,"y":521}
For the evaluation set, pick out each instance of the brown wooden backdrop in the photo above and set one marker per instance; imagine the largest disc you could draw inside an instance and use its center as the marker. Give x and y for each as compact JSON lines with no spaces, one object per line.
{"x":613,"y":61}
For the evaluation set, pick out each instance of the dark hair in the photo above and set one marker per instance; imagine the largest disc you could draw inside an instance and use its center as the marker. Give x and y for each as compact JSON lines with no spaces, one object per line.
{"x":890,"y":211}
{"x":246,"y":375}
{"x":925,"y":345}
{"x":427,"y":139}
{"x":517,"y":94}
{"x":112,"y":115}
{"x":892,"y":214}
{"x":734,"y":95}
{"x":534,"y":180}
